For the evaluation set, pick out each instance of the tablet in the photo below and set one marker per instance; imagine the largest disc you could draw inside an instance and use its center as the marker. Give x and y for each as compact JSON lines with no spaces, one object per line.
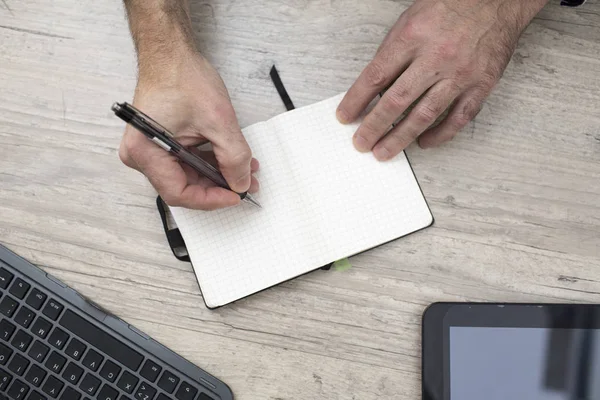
{"x":474,"y":351}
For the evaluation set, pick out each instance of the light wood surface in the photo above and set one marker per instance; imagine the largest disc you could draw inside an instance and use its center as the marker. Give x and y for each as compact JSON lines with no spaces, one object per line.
{"x":515,"y":196}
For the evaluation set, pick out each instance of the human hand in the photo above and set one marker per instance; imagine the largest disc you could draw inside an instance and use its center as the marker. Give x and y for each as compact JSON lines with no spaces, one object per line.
{"x":449,"y":53}
{"x":190,"y":100}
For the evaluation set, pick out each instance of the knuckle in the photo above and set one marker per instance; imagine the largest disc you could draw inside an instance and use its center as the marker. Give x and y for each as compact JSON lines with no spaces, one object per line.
{"x":466,"y":113}
{"x":368,"y":129}
{"x":409,"y":31}
{"x":488,"y":81}
{"x":465,"y":71}
{"x":448,"y":50}
{"x":426,"y":113}
{"x":375,"y":74}
{"x":240,"y":157}
{"x":243,"y":156}
{"x":396,"y":99}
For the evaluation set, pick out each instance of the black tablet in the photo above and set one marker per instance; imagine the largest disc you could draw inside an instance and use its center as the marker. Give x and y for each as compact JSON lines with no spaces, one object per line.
{"x":474,"y":351}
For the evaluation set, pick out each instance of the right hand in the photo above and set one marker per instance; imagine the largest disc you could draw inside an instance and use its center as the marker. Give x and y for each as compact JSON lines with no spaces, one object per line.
{"x":190,"y":100}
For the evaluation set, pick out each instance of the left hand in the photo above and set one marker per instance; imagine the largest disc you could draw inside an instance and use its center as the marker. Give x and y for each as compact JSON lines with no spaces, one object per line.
{"x":451,"y":53}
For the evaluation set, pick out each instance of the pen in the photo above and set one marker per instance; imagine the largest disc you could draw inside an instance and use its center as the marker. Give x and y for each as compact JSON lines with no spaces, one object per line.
{"x":163,"y":138}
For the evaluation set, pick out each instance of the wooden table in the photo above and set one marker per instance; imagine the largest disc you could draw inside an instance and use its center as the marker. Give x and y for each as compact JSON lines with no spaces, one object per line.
{"x":515,"y":196}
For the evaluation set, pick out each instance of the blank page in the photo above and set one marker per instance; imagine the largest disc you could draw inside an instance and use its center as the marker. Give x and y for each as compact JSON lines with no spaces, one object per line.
{"x":322,"y":200}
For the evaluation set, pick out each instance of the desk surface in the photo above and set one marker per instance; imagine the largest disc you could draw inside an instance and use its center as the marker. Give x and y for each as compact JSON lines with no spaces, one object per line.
{"x":515,"y":196}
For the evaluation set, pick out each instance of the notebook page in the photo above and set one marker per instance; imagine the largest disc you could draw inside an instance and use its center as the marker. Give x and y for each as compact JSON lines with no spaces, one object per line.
{"x":367,"y":202}
{"x":322,"y":200}
{"x":241,"y":250}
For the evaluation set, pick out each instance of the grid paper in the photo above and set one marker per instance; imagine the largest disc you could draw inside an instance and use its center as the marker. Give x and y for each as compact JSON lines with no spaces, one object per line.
{"x":322,"y":201}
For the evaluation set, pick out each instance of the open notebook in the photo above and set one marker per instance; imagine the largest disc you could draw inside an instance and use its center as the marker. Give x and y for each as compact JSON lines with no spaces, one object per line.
{"x":322,"y":201}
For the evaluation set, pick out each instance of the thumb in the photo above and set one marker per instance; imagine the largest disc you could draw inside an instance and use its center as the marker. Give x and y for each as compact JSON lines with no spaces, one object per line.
{"x":234,"y":156}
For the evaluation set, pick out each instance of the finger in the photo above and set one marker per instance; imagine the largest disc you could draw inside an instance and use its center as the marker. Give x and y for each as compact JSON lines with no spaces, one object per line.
{"x":172,"y":182}
{"x":411,"y":84}
{"x":209,"y":156}
{"x":254,"y":165}
{"x":233,"y":155}
{"x":254,"y":185}
{"x":464,"y":110}
{"x":383,"y":70}
{"x":437,"y":99}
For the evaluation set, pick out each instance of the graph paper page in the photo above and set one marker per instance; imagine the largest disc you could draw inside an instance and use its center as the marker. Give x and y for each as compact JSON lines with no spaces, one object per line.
{"x":322,"y":201}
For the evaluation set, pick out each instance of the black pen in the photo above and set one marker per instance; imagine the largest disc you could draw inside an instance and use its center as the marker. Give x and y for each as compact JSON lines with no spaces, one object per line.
{"x":163,"y":138}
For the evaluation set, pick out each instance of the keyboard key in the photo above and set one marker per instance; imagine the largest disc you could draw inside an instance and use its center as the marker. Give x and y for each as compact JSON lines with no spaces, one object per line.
{"x":52,"y":309}
{"x":24,"y":317}
{"x":72,"y":373}
{"x":58,"y":338}
{"x":127,"y":382}
{"x":107,"y":393}
{"x":123,"y":397}
{"x":18,"y":390}
{"x":5,"y":353}
{"x":150,"y":370}
{"x":145,"y":392}
{"x":168,"y":382}
{"x":36,"y":299}
{"x":5,"y":278}
{"x":75,"y":349}
{"x":162,"y":396}
{"x":90,"y":384}
{"x":70,"y":394}
{"x":19,"y":288}
{"x":5,"y":379}
{"x":92,"y":360}
{"x":18,"y":364}
{"x":110,"y":371}
{"x":38,"y":351}
{"x":105,"y":342}
{"x":186,"y":391}
{"x":8,"y":306}
{"x":55,"y":363}
{"x":52,"y":386}
{"x":35,"y":375}
{"x":21,"y":340}
{"x":204,"y":396}
{"x":41,"y":327}
{"x":35,"y":396}
{"x":6,"y":330}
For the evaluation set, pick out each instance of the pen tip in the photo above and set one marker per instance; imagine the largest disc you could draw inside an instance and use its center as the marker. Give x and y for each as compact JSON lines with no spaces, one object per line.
{"x":250,"y":200}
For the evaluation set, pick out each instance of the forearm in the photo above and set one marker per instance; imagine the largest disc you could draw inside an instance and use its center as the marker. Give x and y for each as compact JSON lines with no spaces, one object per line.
{"x":162,"y":33}
{"x":526,"y":10}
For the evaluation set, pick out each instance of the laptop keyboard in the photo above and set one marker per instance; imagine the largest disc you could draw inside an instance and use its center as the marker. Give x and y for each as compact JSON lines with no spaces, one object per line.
{"x":48,"y":351}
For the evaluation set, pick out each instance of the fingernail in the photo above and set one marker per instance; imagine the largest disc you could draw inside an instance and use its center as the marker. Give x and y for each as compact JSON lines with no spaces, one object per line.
{"x":382,"y":154}
{"x":361,"y":143}
{"x":342,"y":116}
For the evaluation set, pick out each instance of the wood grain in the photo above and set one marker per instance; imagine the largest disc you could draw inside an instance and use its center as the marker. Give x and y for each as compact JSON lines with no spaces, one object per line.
{"x":515,"y":196}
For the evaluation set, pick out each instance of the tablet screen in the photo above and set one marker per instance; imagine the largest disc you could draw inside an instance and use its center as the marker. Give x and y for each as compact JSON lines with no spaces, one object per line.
{"x":474,"y":351}
{"x":524,"y":363}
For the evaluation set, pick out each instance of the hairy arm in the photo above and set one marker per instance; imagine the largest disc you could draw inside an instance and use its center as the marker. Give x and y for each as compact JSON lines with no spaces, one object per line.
{"x":162,"y":33}
{"x":179,"y":88}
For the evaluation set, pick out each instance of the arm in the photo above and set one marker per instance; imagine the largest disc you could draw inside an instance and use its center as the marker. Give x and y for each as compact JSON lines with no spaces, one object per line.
{"x":179,"y":89}
{"x":447,"y":53}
